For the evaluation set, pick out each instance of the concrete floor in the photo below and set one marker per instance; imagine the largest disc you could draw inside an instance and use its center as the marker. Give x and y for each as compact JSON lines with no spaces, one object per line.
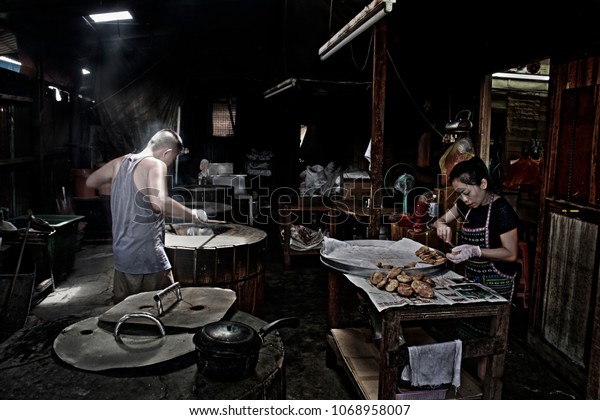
{"x":299,"y":291}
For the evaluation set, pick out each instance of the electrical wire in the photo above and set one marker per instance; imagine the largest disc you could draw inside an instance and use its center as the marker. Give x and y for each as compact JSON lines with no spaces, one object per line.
{"x":366,"y":57}
{"x":330,"y":15}
{"x":412,"y":99}
{"x":360,"y":68}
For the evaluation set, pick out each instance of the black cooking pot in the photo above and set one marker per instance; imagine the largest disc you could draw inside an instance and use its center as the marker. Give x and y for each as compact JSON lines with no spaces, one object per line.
{"x":228,"y":350}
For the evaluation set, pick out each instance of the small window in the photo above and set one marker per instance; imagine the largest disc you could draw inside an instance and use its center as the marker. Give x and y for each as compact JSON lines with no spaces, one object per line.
{"x":223,"y":118}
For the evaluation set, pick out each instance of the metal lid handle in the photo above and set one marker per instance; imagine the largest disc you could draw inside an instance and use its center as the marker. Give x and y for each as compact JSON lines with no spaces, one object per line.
{"x":174,"y":288}
{"x":148,"y":315}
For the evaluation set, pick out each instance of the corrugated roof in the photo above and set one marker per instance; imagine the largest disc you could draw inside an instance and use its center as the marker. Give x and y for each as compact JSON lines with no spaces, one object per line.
{"x":8,"y":42}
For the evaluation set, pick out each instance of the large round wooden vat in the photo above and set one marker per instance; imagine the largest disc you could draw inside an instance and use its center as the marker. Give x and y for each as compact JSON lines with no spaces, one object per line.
{"x":233,"y":259}
{"x":202,"y":194}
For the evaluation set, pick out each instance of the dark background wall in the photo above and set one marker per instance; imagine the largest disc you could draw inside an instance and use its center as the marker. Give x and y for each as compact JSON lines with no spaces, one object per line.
{"x":184,"y":55}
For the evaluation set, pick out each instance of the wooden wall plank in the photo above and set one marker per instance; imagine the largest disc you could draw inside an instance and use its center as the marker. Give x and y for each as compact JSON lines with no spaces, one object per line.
{"x":485,"y":118}
{"x":593,"y":385}
{"x":594,"y":198}
{"x":574,"y":149}
{"x":569,"y":283}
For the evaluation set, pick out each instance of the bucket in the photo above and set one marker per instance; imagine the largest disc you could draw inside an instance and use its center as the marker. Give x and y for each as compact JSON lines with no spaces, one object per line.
{"x":80,"y":189}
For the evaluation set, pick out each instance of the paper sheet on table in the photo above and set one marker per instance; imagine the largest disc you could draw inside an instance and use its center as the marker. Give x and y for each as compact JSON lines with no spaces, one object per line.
{"x":360,"y":254}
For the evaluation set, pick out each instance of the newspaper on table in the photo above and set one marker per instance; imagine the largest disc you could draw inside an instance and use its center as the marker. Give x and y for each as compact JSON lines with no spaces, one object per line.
{"x":450,"y":289}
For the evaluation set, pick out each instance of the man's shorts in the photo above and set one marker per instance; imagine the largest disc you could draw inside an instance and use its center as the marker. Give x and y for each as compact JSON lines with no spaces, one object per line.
{"x":130,"y":284}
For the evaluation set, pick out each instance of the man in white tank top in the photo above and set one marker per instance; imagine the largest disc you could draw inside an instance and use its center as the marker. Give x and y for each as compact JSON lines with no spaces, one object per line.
{"x":139,"y":203}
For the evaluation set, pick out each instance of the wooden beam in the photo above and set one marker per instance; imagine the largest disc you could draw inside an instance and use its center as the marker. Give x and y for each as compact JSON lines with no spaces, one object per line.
{"x":377,"y":125}
{"x":485,"y":118}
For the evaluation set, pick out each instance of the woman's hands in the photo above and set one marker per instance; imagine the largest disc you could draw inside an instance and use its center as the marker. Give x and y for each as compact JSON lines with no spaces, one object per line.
{"x":463,"y":252}
{"x":444,"y":231}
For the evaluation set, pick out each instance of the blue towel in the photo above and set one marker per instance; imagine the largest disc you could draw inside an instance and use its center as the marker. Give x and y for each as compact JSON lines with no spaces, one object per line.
{"x":434,"y":364}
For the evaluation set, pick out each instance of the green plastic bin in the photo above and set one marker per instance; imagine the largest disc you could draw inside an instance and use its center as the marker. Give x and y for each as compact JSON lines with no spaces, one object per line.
{"x":61,"y":245}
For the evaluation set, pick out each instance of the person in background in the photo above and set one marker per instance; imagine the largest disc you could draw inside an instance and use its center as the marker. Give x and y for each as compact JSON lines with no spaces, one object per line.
{"x":488,"y":234}
{"x":139,"y":203}
{"x":204,"y":172}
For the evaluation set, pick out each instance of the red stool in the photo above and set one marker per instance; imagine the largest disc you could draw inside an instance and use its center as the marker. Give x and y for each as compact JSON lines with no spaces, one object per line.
{"x":522,"y":279}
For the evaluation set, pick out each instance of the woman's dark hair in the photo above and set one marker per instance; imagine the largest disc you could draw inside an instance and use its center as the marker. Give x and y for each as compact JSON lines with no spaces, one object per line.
{"x":471,"y":172}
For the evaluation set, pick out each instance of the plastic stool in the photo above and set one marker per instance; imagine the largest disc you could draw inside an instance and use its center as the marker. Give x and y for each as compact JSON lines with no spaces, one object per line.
{"x":522,"y":285}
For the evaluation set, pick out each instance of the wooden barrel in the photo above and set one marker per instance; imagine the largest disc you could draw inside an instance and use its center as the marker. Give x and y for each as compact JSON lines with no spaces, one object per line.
{"x":233,"y":259}
{"x":203,"y":194}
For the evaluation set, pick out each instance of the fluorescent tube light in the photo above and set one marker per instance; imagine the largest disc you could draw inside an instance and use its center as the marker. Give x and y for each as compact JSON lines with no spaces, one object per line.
{"x":9,"y":60}
{"x":10,"y":64}
{"x":283,"y":86}
{"x":372,"y":13}
{"x":353,"y":35}
{"x":521,"y":76}
{"x":112,"y":16}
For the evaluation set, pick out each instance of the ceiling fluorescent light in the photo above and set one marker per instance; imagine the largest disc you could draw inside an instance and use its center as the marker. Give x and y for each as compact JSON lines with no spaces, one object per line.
{"x":521,"y":76}
{"x":10,"y":64}
{"x":9,"y":60}
{"x":361,"y":22}
{"x":112,"y":16}
{"x":283,"y":86}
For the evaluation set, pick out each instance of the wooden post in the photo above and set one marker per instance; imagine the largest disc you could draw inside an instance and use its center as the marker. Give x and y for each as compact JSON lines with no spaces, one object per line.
{"x":485,"y":118}
{"x":377,"y":124}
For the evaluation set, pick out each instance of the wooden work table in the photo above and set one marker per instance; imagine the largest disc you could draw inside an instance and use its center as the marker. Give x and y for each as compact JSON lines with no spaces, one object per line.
{"x":490,"y":351}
